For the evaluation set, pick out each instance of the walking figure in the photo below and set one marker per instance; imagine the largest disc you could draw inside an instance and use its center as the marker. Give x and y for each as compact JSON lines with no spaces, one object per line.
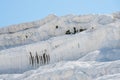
{"x":31,"y":59}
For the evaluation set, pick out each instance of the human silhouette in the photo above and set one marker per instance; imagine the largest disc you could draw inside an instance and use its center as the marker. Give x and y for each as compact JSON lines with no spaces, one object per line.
{"x":31,"y":59}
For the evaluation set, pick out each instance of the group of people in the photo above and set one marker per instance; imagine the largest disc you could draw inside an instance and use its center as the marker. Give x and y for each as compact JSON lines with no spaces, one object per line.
{"x":75,"y":31}
{"x":39,"y":59}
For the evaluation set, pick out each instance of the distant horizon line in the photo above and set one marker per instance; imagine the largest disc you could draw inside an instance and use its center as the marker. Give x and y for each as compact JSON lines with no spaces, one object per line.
{"x":29,"y":21}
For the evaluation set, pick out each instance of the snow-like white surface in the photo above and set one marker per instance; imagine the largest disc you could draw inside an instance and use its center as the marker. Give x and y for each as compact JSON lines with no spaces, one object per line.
{"x":71,"y":70}
{"x":93,"y":54}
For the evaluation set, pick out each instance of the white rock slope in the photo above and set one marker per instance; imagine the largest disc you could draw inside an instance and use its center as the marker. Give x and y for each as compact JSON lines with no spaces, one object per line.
{"x":90,"y":52}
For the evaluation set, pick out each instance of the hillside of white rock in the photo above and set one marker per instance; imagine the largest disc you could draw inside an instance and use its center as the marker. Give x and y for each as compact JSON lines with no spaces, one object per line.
{"x":71,"y":47}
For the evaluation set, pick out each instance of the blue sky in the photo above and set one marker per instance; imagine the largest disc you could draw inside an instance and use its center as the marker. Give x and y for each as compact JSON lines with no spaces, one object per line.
{"x":19,"y":11}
